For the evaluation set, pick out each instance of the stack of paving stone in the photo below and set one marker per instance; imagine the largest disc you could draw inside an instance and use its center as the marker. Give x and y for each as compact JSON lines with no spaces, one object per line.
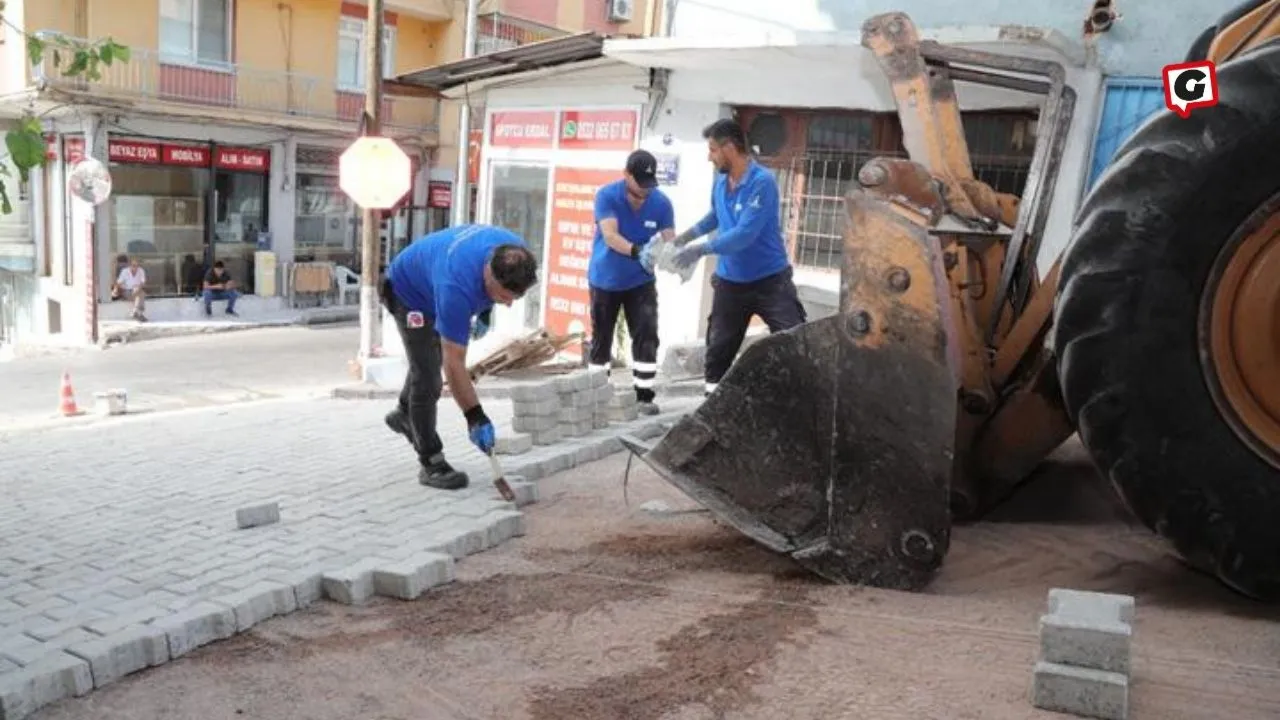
{"x":566,"y":406}
{"x":622,"y":406}
{"x":1084,"y":655}
{"x":583,"y":397}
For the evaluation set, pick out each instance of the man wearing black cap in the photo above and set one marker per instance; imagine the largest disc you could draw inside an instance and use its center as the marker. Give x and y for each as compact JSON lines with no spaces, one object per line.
{"x":629,"y":213}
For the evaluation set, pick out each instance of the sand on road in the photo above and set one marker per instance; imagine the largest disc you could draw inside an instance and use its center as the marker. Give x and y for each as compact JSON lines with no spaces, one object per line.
{"x":606,"y":611}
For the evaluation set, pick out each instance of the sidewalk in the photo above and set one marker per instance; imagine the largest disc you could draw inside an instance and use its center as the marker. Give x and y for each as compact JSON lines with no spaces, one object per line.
{"x":120,"y":547}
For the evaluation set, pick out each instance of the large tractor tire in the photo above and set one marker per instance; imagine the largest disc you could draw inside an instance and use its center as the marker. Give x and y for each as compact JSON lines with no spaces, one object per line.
{"x":1167,"y":327}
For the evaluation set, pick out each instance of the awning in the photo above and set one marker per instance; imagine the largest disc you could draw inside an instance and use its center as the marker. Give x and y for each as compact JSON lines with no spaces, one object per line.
{"x":517,"y":60}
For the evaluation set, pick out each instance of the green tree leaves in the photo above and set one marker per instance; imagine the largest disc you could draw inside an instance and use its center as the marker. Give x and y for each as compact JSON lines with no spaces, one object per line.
{"x":57,"y":54}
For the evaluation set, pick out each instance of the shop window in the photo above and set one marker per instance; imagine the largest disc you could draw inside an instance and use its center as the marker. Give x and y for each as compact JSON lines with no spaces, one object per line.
{"x":158,"y":217}
{"x":326,"y":224}
{"x":816,"y":155}
{"x":351,"y":53}
{"x":240,"y":216}
{"x":519,"y":203}
{"x":196,"y":31}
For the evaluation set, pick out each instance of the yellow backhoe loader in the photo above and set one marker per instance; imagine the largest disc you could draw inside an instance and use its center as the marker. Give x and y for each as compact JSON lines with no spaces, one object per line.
{"x":953,"y":368}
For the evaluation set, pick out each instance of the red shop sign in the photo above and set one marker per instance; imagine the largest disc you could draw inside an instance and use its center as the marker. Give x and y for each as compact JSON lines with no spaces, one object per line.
{"x":439,"y":194}
{"x":132,"y":151}
{"x":188,"y":155}
{"x":522,"y":128}
{"x":598,"y":129}
{"x":246,"y":159}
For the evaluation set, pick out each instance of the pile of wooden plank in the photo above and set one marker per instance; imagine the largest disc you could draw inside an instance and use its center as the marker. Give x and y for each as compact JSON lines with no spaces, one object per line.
{"x":531,"y":351}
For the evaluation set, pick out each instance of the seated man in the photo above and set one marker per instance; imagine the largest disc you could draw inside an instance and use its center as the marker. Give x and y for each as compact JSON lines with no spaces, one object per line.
{"x":129,"y":286}
{"x":218,"y":285}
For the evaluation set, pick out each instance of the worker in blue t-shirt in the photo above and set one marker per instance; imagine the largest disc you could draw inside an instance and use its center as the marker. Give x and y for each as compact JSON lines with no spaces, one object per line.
{"x":434,"y":288}
{"x":753,"y":274}
{"x":629,"y":213}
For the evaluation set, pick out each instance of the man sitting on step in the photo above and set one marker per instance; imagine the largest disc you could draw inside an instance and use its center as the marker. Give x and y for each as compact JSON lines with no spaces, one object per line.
{"x":218,"y":285}
{"x":129,"y":286}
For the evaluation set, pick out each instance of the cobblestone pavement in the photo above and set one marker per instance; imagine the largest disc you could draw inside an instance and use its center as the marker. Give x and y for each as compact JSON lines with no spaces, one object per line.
{"x":119,"y":547}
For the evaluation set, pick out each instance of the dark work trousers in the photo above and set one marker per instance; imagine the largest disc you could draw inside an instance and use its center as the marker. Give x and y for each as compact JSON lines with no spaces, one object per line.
{"x":640,"y":304}
{"x":423,"y":383}
{"x":774,"y":299}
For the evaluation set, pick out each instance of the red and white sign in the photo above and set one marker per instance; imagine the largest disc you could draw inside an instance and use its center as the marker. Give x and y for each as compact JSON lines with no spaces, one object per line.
{"x":598,"y":129}
{"x":522,"y":129}
{"x":243,"y":159}
{"x":186,"y":155}
{"x":573,"y":229}
{"x":439,"y":194}
{"x":133,"y":151}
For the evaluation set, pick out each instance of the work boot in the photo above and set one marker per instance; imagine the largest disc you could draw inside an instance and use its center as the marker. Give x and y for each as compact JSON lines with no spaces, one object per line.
{"x":399,"y":422}
{"x":647,"y":408}
{"x":440,"y":474}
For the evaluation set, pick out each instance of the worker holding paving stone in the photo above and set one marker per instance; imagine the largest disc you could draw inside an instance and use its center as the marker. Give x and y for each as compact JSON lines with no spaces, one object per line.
{"x":629,"y":213}
{"x":441,"y":290}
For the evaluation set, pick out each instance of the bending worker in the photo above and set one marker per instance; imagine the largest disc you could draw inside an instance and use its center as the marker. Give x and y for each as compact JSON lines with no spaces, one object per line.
{"x":753,"y":274}
{"x":434,"y":288}
{"x":629,"y":212}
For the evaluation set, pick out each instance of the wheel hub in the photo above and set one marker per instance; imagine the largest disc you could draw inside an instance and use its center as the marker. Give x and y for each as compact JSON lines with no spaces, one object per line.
{"x":1242,"y":343}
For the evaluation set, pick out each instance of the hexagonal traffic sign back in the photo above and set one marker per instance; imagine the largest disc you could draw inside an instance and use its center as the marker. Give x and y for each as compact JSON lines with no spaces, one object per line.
{"x":375,"y":173}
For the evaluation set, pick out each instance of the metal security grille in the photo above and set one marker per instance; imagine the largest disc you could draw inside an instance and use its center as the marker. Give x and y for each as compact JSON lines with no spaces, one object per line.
{"x":816,"y":156}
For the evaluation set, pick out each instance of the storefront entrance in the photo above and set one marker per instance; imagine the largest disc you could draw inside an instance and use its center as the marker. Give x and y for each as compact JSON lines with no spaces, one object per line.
{"x":177,"y":207}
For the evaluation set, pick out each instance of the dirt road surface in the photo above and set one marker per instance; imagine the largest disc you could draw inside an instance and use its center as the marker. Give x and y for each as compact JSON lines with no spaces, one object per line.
{"x":607,"y":611}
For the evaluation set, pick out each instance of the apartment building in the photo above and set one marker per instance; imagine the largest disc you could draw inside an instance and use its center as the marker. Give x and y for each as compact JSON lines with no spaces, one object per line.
{"x":222,"y":134}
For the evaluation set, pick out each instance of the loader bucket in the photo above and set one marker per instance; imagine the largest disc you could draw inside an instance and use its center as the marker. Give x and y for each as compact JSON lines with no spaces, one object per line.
{"x":832,"y":442}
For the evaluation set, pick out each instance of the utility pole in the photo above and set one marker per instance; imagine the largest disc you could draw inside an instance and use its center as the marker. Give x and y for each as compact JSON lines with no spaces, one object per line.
{"x":462,"y":190}
{"x":370,"y":313}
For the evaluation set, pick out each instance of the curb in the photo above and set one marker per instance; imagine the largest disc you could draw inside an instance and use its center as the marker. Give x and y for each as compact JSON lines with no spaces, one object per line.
{"x":144,"y":332}
{"x":129,"y":645}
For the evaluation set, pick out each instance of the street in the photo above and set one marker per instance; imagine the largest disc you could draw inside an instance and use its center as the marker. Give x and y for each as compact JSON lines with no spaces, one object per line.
{"x":184,"y":372}
{"x":604,"y":610}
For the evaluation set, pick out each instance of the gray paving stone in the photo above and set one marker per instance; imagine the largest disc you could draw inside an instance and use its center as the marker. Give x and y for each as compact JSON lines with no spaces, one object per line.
{"x":503,"y":525}
{"x":550,"y":436}
{"x":306,"y":584}
{"x":1080,"y":691}
{"x":122,"y":653}
{"x":547,"y":406}
{"x":350,"y":585}
{"x":258,"y":515}
{"x":259,"y":602}
{"x":55,"y":677}
{"x":513,"y":444}
{"x":576,"y":414}
{"x":1087,"y":629}
{"x":197,"y":626}
{"x":408,"y":579}
{"x":535,"y":424}
{"x":533,"y":391}
{"x":526,"y":492}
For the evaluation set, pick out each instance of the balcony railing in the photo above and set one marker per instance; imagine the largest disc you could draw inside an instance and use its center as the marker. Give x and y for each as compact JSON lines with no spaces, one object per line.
{"x":495,"y":31}
{"x":148,"y":76}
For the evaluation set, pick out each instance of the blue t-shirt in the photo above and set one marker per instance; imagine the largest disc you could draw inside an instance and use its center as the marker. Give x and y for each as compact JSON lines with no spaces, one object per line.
{"x":749,"y":243}
{"x":610,"y":269}
{"x":442,"y":276}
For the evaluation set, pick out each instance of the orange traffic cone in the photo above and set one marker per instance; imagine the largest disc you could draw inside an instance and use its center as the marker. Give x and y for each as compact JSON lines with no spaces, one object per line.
{"x":68,"y":404}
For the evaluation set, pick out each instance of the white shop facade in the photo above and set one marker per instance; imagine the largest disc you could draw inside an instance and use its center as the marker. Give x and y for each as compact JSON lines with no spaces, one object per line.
{"x":815,"y":108}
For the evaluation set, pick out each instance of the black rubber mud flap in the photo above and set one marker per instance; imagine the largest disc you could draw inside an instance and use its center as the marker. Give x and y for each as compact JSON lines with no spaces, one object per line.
{"x":833,"y":441}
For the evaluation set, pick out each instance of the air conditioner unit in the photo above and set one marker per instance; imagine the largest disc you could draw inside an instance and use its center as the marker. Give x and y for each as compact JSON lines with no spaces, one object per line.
{"x":620,"y":11}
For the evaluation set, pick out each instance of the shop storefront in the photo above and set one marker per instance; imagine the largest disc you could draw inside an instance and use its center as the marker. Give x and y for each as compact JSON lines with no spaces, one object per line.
{"x":540,"y":172}
{"x":179,"y":206}
{"x":327,"y":226}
